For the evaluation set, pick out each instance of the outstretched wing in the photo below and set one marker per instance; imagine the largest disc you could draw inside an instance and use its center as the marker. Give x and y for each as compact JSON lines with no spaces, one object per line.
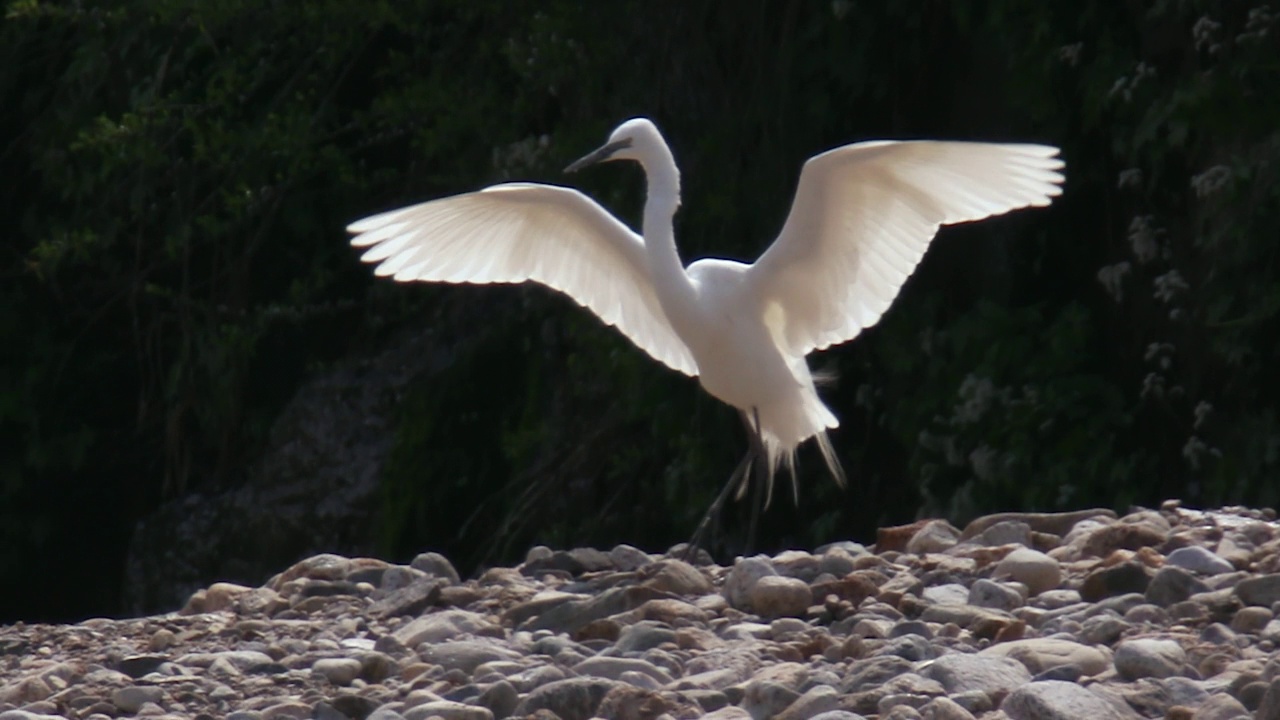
{"x":515,"y":232}
{"x":863,"y":216}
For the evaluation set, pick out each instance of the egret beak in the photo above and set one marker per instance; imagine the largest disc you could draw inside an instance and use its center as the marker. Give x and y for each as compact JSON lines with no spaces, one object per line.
{"x":604,"y":153}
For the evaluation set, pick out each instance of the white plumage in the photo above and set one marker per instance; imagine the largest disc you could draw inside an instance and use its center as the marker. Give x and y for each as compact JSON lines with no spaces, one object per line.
{"x":862,"y":218}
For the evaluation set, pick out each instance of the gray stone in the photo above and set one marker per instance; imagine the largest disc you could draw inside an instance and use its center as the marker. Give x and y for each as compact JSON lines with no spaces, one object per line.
{"x":1172,"y":585}
{"x":409,"y":600}
{"x":729,"y":712}
{"x":909,"y":647}
{"x":901,"y":706}
{"x":1040,"y":654}
{"x":500,"y":698}
{"x":131,"y":699}
{"x":965,"y":615}
{"x":1052,"y":523}
{"x":775,"y":596}
{"x":1218,"y":634}
{"x":1269,"y":708}
{"x":241,"y":660}
{"x":837,"y":561}
{"x":936,"y":536}
{"x":677,"y":577}
{"x":377,"y":666}
{"x":742,"y":577}
{"x":1222,"y":706}
{"x":994,"y":675}
{"x":536,"y":677}
{"x":613,"y":668}
{"x":1184,"y":691}
{"x":1057,"y":599}
{"x":1198,"y":559}
{"x":990,"y":594}
{"x":1122,"y":579}
{"x":875,"y":671}
{"x":466,"y":655}
{"x":437,"y":565}
{"x":1149,"y":657}
{"x":837,"y":715}
{"x":816,"y":700}
{"x":571,"y":616}
{"x":1103,"y":629}
{"x":1263,"y":591}
{"x":447,"y":710}
{"x":946,"y":594}
{"x":797,"y":564}
{"x":942,"y":708}
{"x":353,"y":705}
{"x":288,"y":710}
{"x":1032,"y":568}
{"x":574,"y":562}
{"x":641,"y":636}
{"x":382,"y":713}
{"x":767,"y":698}
{"x":338,"y":671}
{"x":911,"y":627}
{"x":1067,"y":673}
{"x":627,"y":558}
{"x":1056,"y":700}
{"x":571,"y":698}
{"x":325,"y":711}
{"x":1251,"y":619}
{"x":441,"y":626}
{"x":135,"y":666}
{"x":1007,"y":532}
{"x":25,"y":715}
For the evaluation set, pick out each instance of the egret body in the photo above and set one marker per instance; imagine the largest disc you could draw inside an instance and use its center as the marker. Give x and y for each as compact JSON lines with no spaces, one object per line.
{"x":862,"y":218}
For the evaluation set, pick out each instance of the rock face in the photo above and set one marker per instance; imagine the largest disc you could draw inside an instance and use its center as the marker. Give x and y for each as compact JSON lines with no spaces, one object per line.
{"x":314,"y":490}
{"x":623,"y":634}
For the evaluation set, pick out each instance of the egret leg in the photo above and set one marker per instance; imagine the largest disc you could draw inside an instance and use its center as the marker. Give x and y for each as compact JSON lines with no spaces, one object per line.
{"x":754,"y":458}
{"x":761,"y":485}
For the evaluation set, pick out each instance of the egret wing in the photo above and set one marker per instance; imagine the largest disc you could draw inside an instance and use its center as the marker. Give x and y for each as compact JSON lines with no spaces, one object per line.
{"x":863,"y":216}
{"x":515,"y":232}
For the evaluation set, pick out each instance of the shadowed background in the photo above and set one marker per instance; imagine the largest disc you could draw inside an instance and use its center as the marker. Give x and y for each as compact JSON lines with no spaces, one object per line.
{"x":199,"y":380}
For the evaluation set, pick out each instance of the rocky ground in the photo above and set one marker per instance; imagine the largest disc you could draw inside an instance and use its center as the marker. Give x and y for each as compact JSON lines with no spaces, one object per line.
{"x":1164,"y":613}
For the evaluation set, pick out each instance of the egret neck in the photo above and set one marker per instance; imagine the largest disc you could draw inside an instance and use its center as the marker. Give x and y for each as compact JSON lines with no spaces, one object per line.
{"x":674,"y":288}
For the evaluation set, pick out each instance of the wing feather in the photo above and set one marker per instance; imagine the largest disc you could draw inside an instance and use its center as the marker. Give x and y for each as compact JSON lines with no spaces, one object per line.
{"x":864,"y":215}
{"x":515,"y":232}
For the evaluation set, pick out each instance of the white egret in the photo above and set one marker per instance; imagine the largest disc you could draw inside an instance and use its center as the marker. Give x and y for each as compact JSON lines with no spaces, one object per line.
{"x":862,"y":218}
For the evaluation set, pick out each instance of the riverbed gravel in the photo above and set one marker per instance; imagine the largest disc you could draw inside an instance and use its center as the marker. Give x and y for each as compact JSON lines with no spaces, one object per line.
{"x":1161,"y":613}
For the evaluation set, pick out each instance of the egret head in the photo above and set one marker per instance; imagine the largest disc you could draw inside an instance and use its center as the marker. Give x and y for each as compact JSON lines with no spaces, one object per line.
{"x":634,"y":139}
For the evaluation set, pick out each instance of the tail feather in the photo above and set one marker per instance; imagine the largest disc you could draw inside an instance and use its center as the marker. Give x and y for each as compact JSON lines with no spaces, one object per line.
{"x":782,"y":457}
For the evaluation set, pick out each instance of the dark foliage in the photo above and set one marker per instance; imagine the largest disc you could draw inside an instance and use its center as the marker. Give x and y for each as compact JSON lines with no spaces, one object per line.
{"x":178,"y":176}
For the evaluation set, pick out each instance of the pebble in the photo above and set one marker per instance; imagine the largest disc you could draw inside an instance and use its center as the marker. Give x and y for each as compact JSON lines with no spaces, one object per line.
{"x":1198,"y":559}
{"x":1173,"y":584}
{"x":1056,"y":700}
{"x":742,"y":577}
{"x":1032,"y":568}
{"x":131,"y":699}
{"x":990,"y":594}
{"x":1261,"y":591}
{"x":1149,"y":658}
{"x":1020,"y":615}
{"x":934,"y":537}
{"x":339,"y":671}
{"x":775,"y":596}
